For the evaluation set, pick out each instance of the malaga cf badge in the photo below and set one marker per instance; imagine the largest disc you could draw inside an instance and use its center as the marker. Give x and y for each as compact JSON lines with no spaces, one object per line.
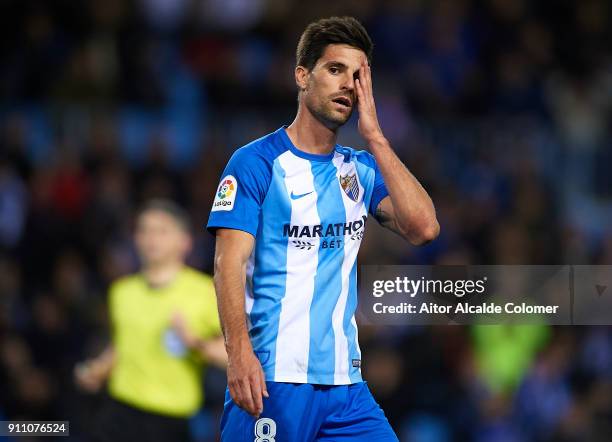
{"x":350,"y":186}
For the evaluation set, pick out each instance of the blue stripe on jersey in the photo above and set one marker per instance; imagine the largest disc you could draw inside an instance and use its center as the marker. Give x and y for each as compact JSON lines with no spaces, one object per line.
{"x":379,"y":190}
{"x":270,"y":268}
{"x":349,"y":328}
{"x":328,"y":280}
{"x":366,"y":177}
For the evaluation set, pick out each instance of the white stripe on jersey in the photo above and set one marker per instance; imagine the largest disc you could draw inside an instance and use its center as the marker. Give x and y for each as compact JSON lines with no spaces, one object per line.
{"x":293,"y":339}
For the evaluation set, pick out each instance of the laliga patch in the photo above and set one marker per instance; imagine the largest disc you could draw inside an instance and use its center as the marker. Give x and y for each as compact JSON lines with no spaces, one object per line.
{"x":226,"y":194}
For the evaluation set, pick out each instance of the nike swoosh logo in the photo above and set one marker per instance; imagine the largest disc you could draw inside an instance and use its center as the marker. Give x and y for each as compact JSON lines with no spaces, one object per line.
{"x":297,"y":197}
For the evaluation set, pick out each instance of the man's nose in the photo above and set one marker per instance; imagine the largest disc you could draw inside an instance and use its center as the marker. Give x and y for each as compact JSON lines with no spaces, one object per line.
{"x":348,"y":82}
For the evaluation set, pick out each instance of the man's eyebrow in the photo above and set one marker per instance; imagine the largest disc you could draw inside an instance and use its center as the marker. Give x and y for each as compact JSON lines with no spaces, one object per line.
{"x":335,"y":63}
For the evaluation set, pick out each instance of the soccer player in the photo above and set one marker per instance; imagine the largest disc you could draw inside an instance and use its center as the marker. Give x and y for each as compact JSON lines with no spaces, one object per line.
{"x":165,"y":327}
{"x":289,"y":216}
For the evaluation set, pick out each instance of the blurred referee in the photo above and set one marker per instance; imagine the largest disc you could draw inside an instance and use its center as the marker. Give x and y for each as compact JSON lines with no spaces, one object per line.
{"x":165,"y":329}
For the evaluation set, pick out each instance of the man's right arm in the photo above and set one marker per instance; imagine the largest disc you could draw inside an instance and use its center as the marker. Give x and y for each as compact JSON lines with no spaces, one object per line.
{"x":245,"y":376}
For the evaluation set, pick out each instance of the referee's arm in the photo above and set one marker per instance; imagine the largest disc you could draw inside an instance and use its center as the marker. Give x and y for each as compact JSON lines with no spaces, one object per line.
{"x":91,"y":374}
{"x":211,"y":350}
{"x":245,"y":376}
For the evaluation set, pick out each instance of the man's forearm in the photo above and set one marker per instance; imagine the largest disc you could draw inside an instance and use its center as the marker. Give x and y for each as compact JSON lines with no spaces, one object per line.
{"x":245,"y":377}
{"x":229,"y":286}
{"x":414,"y":212}
{"x":104,"y":362}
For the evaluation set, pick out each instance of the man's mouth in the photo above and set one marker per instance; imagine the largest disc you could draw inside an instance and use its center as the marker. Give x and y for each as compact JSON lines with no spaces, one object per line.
{"x":344,"y":101}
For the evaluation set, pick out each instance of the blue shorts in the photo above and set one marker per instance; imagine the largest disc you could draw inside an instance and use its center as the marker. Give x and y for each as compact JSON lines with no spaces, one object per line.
{"x":308,"y":413}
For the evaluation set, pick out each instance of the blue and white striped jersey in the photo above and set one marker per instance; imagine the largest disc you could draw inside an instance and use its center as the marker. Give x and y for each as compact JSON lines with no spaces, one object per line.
{"x":307,"y":213}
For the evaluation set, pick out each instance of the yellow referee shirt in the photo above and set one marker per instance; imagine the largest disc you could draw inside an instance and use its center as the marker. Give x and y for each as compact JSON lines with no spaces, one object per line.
{"x":153,"y":370}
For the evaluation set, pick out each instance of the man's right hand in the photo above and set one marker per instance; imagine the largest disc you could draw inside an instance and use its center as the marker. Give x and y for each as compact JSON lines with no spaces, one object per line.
{"x":246,"y":382}
{"x":91,"y":375}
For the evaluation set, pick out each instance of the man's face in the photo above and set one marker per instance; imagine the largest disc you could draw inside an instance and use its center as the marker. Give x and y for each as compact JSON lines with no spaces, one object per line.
{"x":329,"y":88}
{"x":160,"y":239}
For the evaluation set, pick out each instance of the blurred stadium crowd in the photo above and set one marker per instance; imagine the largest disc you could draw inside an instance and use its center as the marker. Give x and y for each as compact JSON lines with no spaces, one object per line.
{"x":502,"y":108}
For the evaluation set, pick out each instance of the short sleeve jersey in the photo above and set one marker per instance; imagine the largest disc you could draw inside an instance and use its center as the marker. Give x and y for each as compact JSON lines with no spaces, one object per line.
{"x":307,"y":213}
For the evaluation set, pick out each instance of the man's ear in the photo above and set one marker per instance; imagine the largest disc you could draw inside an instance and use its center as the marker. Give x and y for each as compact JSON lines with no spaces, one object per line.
{"x":301,"y":77}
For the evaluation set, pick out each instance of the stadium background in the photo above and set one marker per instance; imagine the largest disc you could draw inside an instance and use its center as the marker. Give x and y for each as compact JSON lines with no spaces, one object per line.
{"x":502,"y":108}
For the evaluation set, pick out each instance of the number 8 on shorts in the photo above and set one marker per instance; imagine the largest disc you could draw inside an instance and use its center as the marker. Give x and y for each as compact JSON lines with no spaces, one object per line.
{"x":265,"y":430}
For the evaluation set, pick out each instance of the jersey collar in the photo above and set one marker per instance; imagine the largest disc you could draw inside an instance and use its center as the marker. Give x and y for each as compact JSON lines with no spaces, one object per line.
{"x":300,"y":153}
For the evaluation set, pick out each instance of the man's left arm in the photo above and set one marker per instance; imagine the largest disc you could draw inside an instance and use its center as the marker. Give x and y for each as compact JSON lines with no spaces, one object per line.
{"x":408,"y":210}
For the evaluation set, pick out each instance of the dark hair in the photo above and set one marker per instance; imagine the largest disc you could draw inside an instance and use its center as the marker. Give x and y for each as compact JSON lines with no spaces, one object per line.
{"x":171,"y":208}
{"x":333,"y":30}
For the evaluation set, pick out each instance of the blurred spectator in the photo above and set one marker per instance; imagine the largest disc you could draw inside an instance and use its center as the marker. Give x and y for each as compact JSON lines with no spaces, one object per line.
{"x":504,"y":353}
{"x":13,"y":205}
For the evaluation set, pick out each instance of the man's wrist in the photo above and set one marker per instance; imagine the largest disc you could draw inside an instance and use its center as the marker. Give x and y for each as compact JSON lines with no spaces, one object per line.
{"x":237,"y":346}
{"x":377,"y":141}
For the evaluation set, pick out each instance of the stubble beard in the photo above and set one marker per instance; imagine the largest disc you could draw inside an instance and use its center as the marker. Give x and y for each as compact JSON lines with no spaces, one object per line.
{"x":327,"y":115}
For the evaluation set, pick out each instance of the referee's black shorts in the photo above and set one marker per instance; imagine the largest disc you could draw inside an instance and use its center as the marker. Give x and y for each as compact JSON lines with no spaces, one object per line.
{"x":119,"y":422}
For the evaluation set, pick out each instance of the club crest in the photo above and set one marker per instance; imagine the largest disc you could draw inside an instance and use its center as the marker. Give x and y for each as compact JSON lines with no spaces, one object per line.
{"x":350,"y":186}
